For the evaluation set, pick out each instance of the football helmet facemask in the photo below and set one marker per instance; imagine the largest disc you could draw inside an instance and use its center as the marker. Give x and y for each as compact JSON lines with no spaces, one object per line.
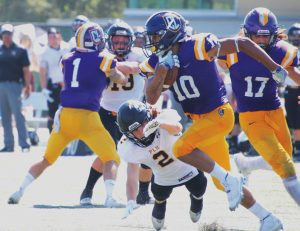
{"x":261,"y":21}
{"x":122,"y":29}
{"x":169,"y":26}
{"x":131,"y":115}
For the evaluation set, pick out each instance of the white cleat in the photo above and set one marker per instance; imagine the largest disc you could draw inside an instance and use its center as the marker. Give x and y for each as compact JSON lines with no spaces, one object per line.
{"x":110,"y":202}
{"x":234,"y":189}
{"x":270,"y":223}
{"x":239,"y":160}
{"x":195,"y":217}
{"x":15,"y":197}
{"x":86,"y":201}
{"x":158,"y":224}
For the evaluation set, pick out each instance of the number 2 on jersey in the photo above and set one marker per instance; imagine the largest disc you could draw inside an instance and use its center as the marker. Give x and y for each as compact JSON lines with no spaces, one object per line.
{"x":165,"y":160}
{"x":74,"y":82}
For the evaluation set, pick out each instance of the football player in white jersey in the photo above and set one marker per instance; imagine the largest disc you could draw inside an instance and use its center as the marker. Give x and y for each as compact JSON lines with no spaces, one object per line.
{"x":120,"y":40}
{"x":149,"y":138}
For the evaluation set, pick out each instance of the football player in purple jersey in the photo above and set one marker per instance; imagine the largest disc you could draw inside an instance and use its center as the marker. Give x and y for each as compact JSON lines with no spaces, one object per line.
{"x":201,"y":92}
{"x":86,"y":74}
{"x":260,"y":112}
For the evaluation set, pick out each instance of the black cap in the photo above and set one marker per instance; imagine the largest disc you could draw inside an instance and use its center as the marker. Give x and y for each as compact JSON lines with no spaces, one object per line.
{"x":52,"y":30}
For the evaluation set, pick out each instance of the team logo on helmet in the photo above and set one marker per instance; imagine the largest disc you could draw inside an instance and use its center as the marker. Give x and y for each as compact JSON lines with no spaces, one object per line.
{"x":172,"y":23}
{"x":95,"y":35}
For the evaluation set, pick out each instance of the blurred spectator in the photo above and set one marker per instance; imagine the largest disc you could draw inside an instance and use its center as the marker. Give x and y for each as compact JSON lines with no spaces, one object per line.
{"x":14,"y":75}
{"x":292,"y":91}
{"x":50,"y":72}
{"x":139,"y":35}
{"x":77,"y":22}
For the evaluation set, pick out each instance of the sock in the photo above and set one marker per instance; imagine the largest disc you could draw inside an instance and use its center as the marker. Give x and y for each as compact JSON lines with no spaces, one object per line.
{"x":143,"y":186}
{"x":218,"y":172}
{"x":259,"y":211}
{"x":109,"y":186}
{"x":26,"y":182}
{"x":258,"y":163}
{"x":292,"y":185}
{"x":93,"y":178}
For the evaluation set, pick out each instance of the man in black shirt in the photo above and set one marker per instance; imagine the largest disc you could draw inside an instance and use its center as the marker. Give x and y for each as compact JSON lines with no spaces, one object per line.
{"x":14,"y":75}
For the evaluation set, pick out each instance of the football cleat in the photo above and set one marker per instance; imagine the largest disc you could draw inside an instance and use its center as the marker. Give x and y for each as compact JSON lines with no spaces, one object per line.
{"x":196,"y":208}
{"x":158,"y":224}
{"x":234,"y":190}
{"x":239,"y":160}
{"x":15,"y":197}
{"x":270,"y":223}
{"x":144,"y":198}
{"x":86,"y":197}
{"x":110,"y":202}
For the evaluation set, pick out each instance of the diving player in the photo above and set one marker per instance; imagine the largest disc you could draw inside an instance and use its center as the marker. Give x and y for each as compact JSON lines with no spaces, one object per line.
{"x":149,"y":137}
{"x":201,"y":93}
{"x":86,"y":73}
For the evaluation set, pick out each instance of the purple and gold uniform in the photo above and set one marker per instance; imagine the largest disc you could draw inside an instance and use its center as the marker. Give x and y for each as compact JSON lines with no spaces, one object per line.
{"x":201,"y":92}
{"x":85,"y":79}
{"x":261,"y":115}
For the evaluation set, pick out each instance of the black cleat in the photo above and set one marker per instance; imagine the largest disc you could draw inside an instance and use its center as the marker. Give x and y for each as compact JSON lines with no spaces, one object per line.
{"x":144,"y":198}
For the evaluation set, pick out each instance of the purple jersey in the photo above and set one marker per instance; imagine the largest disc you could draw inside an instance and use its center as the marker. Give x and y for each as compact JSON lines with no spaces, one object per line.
{"x":85,"y":79}
{"x":198,"y":87}
{"x":252,"y":82}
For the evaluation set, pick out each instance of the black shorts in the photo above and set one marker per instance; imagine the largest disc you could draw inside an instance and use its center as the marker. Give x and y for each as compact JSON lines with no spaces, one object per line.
{"x":109,"y":120}
{"x":292,"y":107}
{"x":195,"y":186}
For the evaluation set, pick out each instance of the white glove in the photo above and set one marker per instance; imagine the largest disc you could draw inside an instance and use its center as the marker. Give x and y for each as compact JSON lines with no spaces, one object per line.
{"x":131,"y":205}
{"x":47,"y":93}
{"x":167,"y":60}
{"x":56,"y":123}
{"x":279,"y":75}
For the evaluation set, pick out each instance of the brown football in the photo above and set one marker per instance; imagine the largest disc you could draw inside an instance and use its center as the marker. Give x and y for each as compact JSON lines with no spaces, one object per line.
{"x":170,"y":79}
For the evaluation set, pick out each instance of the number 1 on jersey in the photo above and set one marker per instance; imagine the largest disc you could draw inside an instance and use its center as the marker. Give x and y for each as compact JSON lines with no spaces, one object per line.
{"x":74,"y":82}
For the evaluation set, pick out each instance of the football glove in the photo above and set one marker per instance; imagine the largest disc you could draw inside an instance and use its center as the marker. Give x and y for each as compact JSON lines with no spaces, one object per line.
{"x":131,"y":205}
{"x":279,"y":75}
{"x":46,"y":94}
{"x":167,"y":60}
{"x":56,"y":123}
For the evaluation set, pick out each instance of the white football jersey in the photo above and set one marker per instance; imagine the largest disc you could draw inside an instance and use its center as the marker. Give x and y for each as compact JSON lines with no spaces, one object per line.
{"x":167,"y":169}
{"x":115,"y":94}
{"x":50,"y":59}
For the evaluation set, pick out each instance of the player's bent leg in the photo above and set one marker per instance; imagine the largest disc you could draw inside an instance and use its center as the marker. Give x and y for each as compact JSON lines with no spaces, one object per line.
{"x":161,"y":194}
{"x":197,"y":187}
{"x":57,"y":142}
{"x":95,"y":173}
{"x":145,"y":175}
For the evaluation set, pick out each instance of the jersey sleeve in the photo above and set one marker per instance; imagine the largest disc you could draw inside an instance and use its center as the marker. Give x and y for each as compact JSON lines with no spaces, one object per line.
{"x":204,"y":42}
{"x":291,"y":57}
{"x":126,"y":151}
{"x":107,"y":63}
{"x":148,"y":66}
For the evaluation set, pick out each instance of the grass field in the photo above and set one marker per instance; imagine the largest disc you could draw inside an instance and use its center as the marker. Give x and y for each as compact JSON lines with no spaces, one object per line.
{"x":52,"y":201}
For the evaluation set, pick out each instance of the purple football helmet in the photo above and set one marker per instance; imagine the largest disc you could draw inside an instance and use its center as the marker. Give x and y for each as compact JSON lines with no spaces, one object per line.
{"x":90,"y":36}
{"x":261,"y":21}
{"x":170,"y":26}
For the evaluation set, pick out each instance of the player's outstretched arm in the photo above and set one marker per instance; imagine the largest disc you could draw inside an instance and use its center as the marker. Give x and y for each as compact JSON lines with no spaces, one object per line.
{"x":128,"y":67}
{"x":154,"y":84}
{"x":117,"y":76}
{"x":232,"y":45}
